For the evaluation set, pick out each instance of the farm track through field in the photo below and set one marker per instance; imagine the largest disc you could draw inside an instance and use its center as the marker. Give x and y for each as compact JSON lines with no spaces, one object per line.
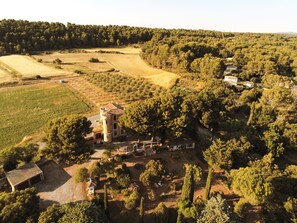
{"x":92,"y":93}
{"x":7,"y":68}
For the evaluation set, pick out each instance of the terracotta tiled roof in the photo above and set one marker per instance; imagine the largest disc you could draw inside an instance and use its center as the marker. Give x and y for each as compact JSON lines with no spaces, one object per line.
{"x":114,"y":108}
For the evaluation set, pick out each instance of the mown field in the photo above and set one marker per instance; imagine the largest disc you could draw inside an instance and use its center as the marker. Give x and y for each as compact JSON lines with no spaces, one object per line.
{"x":4,"y":76}
{"x":24,"y":66}
{"x":126,"y":60}
{"x":24,"y":110}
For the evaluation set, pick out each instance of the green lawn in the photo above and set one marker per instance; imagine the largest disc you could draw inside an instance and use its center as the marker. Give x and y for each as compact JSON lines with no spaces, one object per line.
{"x":25,"y":110}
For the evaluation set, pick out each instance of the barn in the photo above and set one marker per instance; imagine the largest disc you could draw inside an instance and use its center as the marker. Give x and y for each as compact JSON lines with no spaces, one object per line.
{"x":24,"y":176}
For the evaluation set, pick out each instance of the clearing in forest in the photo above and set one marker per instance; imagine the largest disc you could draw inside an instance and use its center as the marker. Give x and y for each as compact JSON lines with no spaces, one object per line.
{"x":127,"y":60}
{"x":25,"y":109}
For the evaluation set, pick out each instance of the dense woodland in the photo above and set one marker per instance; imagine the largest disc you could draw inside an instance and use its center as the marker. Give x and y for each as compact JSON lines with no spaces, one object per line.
{"x":24,"y":37}
{"x":252,"y":129}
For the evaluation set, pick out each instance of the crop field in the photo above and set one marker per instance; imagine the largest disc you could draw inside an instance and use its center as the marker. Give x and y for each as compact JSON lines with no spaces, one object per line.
{"x":126,"y":60}
{"x":24,"y":110}
{"x":27,"y":67}
{"x":126,"y":88}
{"x":95,"y":95}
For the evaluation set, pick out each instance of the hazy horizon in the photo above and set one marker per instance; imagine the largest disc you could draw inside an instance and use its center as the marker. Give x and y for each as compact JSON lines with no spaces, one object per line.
{"x":229,"y":16}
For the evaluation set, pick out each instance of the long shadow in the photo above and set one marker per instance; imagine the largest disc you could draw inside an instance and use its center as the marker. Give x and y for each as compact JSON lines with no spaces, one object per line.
{"x":67,"y":63}
{"x":54,"y":177}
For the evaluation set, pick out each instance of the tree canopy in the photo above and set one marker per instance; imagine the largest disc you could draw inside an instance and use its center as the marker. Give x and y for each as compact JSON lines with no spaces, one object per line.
{"x":65,"y":138}
{"x":19,"y":206}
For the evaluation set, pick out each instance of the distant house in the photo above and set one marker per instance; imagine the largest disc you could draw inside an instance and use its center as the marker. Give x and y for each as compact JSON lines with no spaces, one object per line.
{"x":91,"y":187}
{"x":125,"y":150}
{"x":230,"y":69}
{"x":248,"y":84}
{"x":231,"y":80}
{"x":24,"y":176}
{"x":181,"y":145}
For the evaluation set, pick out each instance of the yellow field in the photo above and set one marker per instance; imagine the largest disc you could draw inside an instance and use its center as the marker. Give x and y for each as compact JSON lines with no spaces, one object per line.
{"x":4,"y":76}
{"x":128,"y":63}
{"x":125,"y":50}
{"x":27,"y":67}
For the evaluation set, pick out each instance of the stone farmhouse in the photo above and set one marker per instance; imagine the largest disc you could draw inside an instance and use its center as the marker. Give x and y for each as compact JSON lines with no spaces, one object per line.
{"x":105,"y":125}
{"x":231,"y":80}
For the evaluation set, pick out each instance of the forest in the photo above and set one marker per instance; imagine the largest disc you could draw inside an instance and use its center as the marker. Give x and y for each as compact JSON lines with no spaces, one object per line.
{"x":253,"y":129}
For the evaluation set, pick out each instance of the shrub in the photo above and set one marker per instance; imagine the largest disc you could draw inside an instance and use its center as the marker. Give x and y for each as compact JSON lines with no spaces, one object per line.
{"x":94,"y":60}
{"x":81,"y":175}
{"x":241,"y":207}
{"x":130,"y":202}
{"x":78,"y":72}
{"x":57,"y":61}
{"x":123,"y":180}
{"x":161,"y":213}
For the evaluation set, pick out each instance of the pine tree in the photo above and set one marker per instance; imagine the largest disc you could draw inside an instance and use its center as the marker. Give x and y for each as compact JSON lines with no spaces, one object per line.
{"x":208,"y":184}
{"x":141,"y":212}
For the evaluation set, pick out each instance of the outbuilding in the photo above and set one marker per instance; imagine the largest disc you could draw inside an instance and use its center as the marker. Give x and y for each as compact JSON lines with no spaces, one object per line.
{"x":24,"y":176}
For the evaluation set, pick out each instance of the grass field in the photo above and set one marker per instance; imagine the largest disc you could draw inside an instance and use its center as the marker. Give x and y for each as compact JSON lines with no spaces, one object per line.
{"x":28,"y":67}
{"x":25,"y":109}
{"x":129,"y":63}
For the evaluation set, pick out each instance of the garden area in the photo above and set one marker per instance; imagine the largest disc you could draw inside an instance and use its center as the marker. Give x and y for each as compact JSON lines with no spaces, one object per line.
{"x":149,"y":184}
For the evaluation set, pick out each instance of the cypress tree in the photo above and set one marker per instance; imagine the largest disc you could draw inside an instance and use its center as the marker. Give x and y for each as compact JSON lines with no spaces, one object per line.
{"x":106,"y":206}
{"x":187,"y":195}
{"x":208,"y":184}
{"x":192,"y":176}
{"x":179,"y":217}
{"x":141,"y":212}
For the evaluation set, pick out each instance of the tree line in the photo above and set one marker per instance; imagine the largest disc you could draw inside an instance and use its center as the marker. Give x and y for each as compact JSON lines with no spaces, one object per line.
{"x":18,"y":36}
{"x":254,"y":54}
